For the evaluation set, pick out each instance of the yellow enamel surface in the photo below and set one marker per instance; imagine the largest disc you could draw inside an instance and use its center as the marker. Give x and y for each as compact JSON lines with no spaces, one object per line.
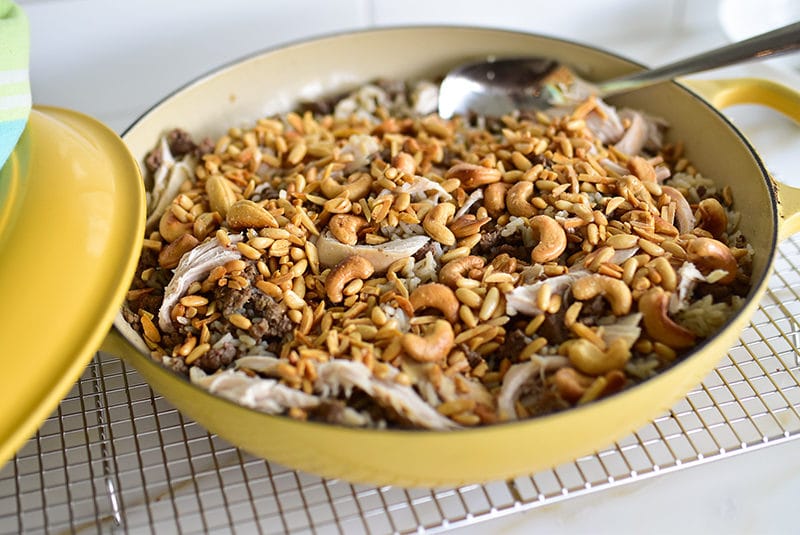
{"x":70,"y":230}
{"x":789,"y":209}
{"x":432,"y":459}
{"x":729,"y":92}
{"x":272,"y":82}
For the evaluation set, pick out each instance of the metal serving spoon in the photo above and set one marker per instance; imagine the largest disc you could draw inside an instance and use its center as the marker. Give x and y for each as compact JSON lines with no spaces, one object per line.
{"x":498,"y":86}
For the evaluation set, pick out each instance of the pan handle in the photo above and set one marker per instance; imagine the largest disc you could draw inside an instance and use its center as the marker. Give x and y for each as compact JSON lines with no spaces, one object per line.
{"x":788,"y":209}
{"x":728,"y":92}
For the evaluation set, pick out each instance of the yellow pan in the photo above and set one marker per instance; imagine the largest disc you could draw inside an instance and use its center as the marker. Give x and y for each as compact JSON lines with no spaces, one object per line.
{"x":71,"y":209}
{"x":273,"y":81}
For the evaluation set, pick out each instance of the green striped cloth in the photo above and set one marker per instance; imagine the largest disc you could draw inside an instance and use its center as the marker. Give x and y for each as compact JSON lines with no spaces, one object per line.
{"x":15,"y":89}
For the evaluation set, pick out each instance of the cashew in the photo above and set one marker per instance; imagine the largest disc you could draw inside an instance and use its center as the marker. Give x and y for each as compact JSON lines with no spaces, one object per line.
{"x":591,"y":360}
{"x":170,"y":255}
{"x":435,"y":223}
{"x":504,"y":263}
{"x":467,"y":225}
{"x":614,"y":290}
{"x":709,"y":255}
{"x":204,"y":224}
{"x":683,"y":212}
{"x":438,"y":296}
{"x":351,"y":268}
{"x":473,"y":176}
{"x":220,"y":194}
{"x":171,"y":228}
{"x":712,"y":217}
{"x":643,"y":169}
{"x":551,"y":236}
{"x":669,"y":279}
{"x":357,"y":186}
{"x":518,"y":199}
{"x":432,"y":347}
{"x":345,"y":227}
{"x":404,"y":163}
{"x":245,"y":213}
{"x":494,"y":198}
{"x":573,"y":385}
{"x":331,"y":251}
{"x":454,"y":270}
{"x":653,"y":305}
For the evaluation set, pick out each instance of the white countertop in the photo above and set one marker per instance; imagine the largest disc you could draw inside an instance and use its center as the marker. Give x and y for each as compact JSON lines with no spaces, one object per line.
{"x":113,"y":60}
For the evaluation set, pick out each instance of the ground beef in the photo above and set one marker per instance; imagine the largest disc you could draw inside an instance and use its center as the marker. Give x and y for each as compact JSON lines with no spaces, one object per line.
{"x":154,"y":159}
{"x":176,"y":364}
{"x":394,"y":88}
{"x":720,"y":293}
{"x":489,"y":240}
{"x":217,"y":357}
{"x":593,"y":309}
{"x":277,"y":326}
{"x":180,"y":142}
{"x":473,"y":357}
{"x":175,"y":338}
{"x":268,"y":317}
{"x":512,"y":346}
{"x":232,"y":301}
{"x":553,"y":327}
{"x":150,"y":302}
{"x":541,"y":398}
{"x":131,"y":318}
{"x":425,"y":249}
{"x":518,"y":251}
{"x":361,"y":402}
{"x":322,"y":106}
{"x":492,"y":245}
{"x":331,"y":411}
{"x":205,"y":147}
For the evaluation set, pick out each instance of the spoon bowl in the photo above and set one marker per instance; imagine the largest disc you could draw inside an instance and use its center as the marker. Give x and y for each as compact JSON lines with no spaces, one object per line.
{"x":495,"y":86}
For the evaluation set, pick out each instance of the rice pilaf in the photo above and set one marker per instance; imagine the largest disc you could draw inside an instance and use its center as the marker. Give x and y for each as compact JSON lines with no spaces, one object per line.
{"x":365,"y":262}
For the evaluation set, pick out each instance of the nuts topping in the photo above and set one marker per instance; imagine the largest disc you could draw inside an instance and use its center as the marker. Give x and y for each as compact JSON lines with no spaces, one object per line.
{"x":448,"y":274}
{"x":551,"y":237}
{"x":711,"y":216}
{"x":654,"y":305}
{"x":220,"y":194}
{"x":438,"y":296}
{"x":345,"y":227}
{"x":246,"y":214}
{"x":351,"y":268}
{"x":432,"y":347}
{"x":710,"y":255}
{"x":518,"y":199}
{"x":435,"y":223}
{"x":473,"y":176}
{"x":614,"y":290}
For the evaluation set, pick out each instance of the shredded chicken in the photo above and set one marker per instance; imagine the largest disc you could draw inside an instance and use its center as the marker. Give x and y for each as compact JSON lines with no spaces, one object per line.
{"x":337,"y":376}
{"x":522,"y":299}
{"x":167,"y":182}
{"x":517,"y":378}
{"x":266,"y":395}
{"x":331,"y":251}
{"x":688,"y":277}
{"x":192,"y":267}
{"x":422,"y":188}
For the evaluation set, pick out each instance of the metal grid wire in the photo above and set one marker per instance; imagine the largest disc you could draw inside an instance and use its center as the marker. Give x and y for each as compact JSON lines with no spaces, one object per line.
{"x":115,"y":455}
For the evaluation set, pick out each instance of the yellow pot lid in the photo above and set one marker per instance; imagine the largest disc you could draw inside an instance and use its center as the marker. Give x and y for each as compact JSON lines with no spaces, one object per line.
{"x":71,"y":221}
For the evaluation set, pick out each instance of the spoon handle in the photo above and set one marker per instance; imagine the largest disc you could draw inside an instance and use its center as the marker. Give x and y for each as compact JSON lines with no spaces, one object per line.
{"x":774,"y":43}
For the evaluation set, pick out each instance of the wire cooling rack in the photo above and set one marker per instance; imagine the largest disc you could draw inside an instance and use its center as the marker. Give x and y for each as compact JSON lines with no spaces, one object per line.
{"x":115,"y":455}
